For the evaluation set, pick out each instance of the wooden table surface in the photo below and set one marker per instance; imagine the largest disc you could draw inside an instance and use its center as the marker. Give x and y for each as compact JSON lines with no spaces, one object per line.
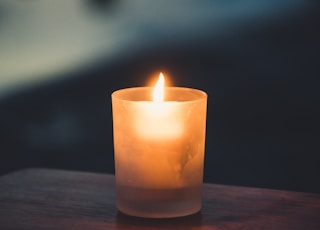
{"x":57,"y":199}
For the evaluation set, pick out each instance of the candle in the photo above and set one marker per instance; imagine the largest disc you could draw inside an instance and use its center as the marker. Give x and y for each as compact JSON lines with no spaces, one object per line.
{"x":159,"y":139}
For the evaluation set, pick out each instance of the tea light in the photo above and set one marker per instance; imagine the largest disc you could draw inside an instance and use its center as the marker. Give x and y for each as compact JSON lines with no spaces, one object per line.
{"x":159,"y":141}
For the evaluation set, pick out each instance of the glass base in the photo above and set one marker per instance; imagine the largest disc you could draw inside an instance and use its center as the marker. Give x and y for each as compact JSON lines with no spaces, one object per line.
{"x":159,"y":203}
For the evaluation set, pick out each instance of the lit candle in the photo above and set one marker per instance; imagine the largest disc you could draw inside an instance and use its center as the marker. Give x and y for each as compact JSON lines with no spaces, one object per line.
{"x":158,"y":119}
{"x":159,"y":138}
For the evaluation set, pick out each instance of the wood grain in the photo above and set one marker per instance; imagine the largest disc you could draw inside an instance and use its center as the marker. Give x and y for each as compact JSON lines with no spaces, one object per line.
{"x":57,"y":199}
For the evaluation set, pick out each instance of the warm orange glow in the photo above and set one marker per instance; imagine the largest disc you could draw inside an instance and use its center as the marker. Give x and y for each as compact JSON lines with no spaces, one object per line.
{"x":158,"y":91}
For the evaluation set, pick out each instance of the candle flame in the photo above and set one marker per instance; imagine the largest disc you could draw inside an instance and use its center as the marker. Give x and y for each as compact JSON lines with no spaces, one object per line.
{"x":158,"y":91}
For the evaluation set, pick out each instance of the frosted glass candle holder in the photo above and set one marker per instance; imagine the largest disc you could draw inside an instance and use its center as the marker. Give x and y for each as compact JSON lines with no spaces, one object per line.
{"x":159,"y":151}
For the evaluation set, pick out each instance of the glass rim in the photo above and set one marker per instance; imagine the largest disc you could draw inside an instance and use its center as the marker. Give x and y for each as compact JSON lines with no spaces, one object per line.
{"x":200,"y":94}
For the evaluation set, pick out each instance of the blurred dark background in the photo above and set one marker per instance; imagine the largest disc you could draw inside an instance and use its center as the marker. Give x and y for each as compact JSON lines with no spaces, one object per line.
{"x":258,"y":61}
